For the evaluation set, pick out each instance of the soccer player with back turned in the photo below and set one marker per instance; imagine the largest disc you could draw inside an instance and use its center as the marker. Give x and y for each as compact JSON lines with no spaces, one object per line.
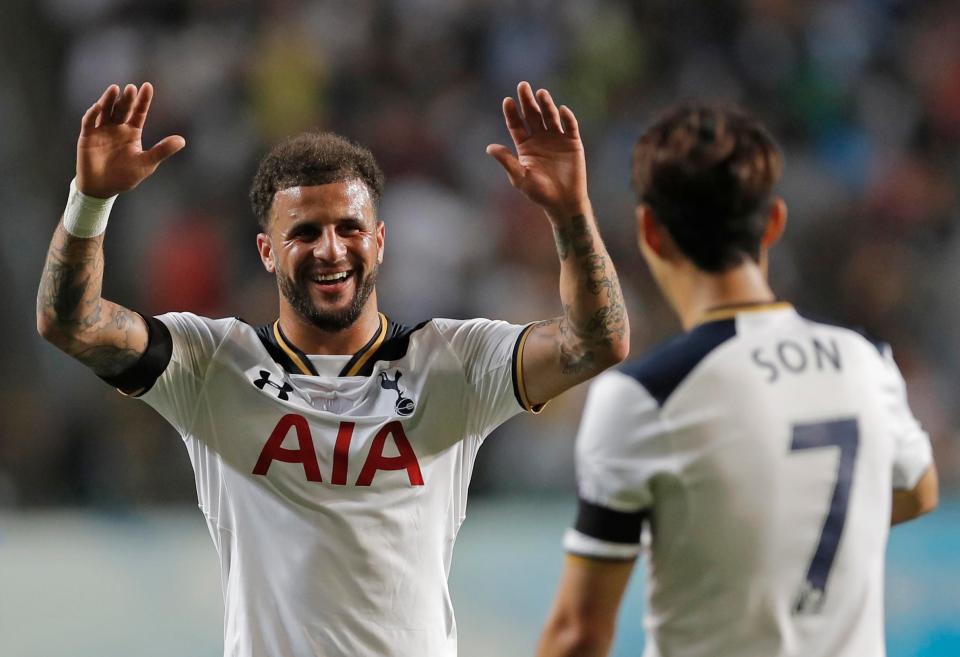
{"x":765,"y":454}
{"x":333,"y":447}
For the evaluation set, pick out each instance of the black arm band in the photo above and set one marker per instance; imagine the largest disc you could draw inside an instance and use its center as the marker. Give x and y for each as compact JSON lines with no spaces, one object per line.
{"x":608,"y":525}
{"x":140,"y":377}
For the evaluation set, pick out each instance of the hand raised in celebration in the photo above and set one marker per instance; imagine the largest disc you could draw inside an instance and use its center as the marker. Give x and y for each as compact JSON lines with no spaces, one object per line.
{"x":110,"y":155}
{"x":549,"y":167}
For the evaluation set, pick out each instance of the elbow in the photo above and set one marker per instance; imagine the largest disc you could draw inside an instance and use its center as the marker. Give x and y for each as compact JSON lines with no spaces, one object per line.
{"x":929,"y":503}
{"x":52,"y":331}
{"x":574,"y":637}
{"x":616,"y":352}
{"x":45,"y":327}
{"x":621,"y":350}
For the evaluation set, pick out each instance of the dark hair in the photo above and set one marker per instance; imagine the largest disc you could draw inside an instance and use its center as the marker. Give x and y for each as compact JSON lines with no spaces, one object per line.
{"x":312,"y":158}
{"x":707,"y":173}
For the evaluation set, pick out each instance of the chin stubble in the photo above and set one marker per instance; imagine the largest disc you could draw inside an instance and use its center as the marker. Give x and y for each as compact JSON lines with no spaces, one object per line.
{"x":299,"y":298}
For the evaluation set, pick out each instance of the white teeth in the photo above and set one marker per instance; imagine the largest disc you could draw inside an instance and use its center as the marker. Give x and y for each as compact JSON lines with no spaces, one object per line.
{"x":339,"y":276}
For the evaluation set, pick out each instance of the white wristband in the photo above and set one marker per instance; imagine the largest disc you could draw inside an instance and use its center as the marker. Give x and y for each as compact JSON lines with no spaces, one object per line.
{"x":86,"y":216}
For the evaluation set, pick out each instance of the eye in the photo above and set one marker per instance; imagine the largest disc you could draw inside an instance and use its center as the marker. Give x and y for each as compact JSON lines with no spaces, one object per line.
{"x":349,"y":227}
{"x":304,"y":233}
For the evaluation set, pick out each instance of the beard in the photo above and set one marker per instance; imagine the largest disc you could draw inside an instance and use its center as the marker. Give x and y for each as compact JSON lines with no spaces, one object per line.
{"x":298,"y":296}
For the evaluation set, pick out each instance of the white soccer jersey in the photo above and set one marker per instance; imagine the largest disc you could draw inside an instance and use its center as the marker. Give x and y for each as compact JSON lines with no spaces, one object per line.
{"x":760,"y":451}
{"x":333,"y":486}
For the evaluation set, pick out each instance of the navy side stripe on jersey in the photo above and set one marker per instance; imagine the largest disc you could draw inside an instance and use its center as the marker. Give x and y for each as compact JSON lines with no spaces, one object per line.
{"x":140,"y":377}
{"x":661,"y":371}
{"x":609,"y":525}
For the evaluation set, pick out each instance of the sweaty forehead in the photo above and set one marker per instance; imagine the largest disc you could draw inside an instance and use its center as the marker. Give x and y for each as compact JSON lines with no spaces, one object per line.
{"x":344,"y":198}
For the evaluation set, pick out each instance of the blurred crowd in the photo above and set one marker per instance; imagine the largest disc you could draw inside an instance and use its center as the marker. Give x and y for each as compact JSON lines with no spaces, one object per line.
{"x":863,"y":96}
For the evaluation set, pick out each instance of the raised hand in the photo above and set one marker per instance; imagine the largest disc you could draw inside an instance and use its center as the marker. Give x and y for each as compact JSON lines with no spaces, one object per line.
{"x":549,"y":165}
{"x":110,"y":155}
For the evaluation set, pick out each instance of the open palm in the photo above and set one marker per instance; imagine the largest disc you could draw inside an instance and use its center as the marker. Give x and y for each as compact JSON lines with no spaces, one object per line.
{"x":110,"y":155}
{"x":549,"y":166}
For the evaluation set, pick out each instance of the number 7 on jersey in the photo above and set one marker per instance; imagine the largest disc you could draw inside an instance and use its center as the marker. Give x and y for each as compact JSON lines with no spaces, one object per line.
{"x":845,"y":434}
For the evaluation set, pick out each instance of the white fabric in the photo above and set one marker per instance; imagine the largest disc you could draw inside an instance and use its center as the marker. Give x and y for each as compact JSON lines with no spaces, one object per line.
{"x":737,"y":514}
{"x":324,"y":569}
{"x":86,"y":216}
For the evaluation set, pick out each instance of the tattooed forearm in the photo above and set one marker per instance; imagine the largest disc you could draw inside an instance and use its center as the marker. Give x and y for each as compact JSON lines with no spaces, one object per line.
{"x":69,"y":292}
{"x":594,"y":321}
{"x":577,"y":236}
{"x":72,"y":315}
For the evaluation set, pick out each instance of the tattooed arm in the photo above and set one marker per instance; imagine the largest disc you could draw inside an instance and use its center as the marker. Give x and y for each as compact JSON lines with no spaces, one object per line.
{"x":70,"y":311}
{"x":593,"y":333}
{"x":71,"y":314}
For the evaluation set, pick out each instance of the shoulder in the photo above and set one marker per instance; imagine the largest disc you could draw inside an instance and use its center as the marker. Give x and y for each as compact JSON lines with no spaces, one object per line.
{"x":665,"y":367}
{"x":186,"y":323}
{"x":856,"y":340}
{"x":452,"y":327}
{"x":850,"y":333}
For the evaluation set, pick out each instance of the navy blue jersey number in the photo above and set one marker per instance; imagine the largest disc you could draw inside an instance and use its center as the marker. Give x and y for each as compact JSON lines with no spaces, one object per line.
{"x":844,"y":434}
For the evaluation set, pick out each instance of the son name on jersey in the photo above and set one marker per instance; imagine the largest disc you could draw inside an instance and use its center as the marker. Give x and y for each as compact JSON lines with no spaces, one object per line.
{"x":796,"y":357}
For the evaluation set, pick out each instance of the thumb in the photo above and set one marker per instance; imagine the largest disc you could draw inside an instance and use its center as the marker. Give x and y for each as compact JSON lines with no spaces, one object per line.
{"x":164,"y":149}
{"x":508,"y":161}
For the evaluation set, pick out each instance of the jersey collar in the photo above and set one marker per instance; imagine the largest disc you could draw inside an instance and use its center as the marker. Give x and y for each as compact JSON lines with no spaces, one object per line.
{"x":295,"y":361}
{"x":732,"y":310}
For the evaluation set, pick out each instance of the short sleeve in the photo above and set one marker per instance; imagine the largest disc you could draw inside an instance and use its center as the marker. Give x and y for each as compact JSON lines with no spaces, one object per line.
{"x":490,"y":353}
{"x":177,"y":390}
{"x":620,"y":448}
{"x":911,"y":444}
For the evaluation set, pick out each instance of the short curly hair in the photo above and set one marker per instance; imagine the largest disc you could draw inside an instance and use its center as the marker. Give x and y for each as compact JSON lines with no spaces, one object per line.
{"x":707,"y":172}
{"x":311,"y":158}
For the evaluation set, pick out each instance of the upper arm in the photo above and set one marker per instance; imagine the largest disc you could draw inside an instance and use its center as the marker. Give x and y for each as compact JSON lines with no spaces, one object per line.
{"x":488,"y":354}
{"x":584,"y":614}
{"x":912,"y":452}
{"x":618,"y":453}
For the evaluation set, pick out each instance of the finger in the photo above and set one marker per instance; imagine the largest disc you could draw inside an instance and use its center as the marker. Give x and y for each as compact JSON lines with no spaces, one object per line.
{"x":505,"y":157}
{"x":141,"y":106}
{"x":515,"y":125}
{"x":89,"y":120}
{"x":121,"y":109}
{"x":106,"y":102}
{"x":164,"y":149}
{"x":529,"y":108}
{"x":570,"y":126}
{"x":551,"y":117}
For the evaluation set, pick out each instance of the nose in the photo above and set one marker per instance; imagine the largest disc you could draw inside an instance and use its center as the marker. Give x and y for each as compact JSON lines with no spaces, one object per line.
{"x":329,"y":246}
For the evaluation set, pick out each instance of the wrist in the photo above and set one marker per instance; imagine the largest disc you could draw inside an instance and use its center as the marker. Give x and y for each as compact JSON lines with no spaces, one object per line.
{"x":563,"y":214}
{"x":86,"y":216}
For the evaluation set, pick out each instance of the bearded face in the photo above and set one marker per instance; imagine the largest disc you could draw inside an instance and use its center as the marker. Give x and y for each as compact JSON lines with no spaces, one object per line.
{"x":325,"y":245}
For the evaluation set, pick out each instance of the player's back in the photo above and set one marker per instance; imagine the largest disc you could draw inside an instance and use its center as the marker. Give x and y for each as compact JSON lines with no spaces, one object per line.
{"x":763,"y":449}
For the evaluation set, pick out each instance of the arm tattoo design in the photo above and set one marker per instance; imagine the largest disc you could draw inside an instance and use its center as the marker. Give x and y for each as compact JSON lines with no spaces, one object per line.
{"x":581,"y":337}
{"x":576,"y":237}
{"x":69,"y":299}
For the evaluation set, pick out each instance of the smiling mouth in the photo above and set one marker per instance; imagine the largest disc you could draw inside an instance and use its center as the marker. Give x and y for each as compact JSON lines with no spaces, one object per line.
{"x":332,"y":279}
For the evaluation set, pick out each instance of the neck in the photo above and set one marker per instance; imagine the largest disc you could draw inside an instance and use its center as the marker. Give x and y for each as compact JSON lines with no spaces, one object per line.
{"x":313,"y":340}
{"x":694,"y":292}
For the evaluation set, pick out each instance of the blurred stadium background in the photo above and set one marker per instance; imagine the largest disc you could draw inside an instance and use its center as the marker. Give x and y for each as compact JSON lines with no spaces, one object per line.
{"x":101,"y":550}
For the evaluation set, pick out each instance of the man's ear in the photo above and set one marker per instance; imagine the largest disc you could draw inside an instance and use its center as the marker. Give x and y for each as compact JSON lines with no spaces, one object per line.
{"x":776,"y":223}
{"x":381,"y":234}
{"x":265,"y":247}
{"x":649,"y":236}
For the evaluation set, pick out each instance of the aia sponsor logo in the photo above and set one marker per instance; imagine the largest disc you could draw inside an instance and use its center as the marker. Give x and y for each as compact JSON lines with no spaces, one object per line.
{"x":306,"y":455}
